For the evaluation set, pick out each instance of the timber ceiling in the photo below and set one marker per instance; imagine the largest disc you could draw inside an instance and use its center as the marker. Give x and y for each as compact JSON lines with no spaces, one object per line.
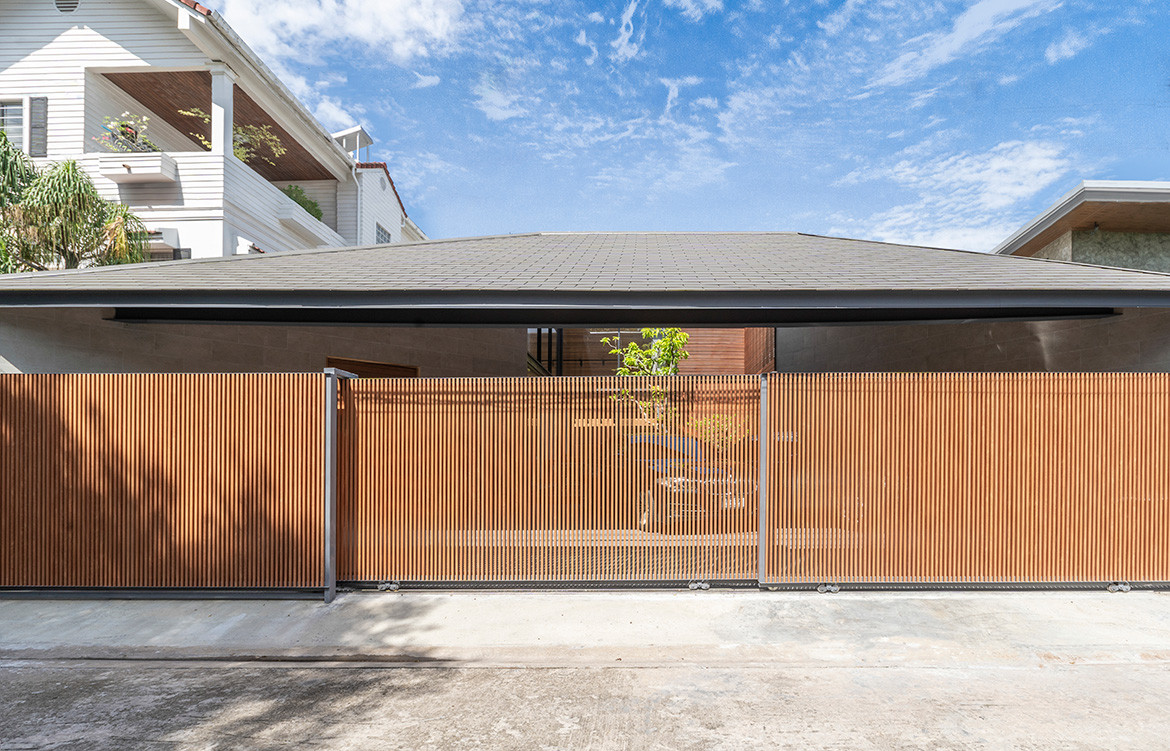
{"x":165,"y":93}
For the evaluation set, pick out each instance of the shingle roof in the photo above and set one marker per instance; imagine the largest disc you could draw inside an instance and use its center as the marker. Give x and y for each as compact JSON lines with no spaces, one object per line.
{"x":780,"y":270}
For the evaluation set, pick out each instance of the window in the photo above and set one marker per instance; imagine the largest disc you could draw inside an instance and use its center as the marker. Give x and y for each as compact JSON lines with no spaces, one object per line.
{"x":12,"y":122}
{"x":382,"y":236}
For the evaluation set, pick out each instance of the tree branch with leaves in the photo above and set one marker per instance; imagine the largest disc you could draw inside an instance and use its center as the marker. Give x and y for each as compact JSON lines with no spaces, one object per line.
{"x":659,"y":357}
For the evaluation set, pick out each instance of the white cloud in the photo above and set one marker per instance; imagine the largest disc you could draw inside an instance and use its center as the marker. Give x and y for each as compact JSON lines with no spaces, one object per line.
{"x":694,"y":10}
{"x":496,"y":104}
{"x":1067,"y":48}
{"x":969,"y":201}
{"x":415,"y":173}
{"x":623,"y":48}
{"x":308,"y":29}
{"x":979,"y":25}
{"x":583,"y":40}
{"x":595,"y":17}
{"x":424,"y":82}
{"x":672,"y":86}
{"x":836,"y":22}
{"x":333,"y":115}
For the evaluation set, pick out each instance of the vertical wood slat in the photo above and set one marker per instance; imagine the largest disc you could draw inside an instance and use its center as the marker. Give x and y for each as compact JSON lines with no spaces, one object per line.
{"x":161,"y":481}
{"x":969,"y":478}
{"x":545,"y":479}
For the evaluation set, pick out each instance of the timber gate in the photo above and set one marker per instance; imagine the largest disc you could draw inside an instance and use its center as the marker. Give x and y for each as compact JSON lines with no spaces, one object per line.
{"x":296,"y":482}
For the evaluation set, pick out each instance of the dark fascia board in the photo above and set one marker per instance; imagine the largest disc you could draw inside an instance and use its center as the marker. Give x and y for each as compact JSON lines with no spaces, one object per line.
{"x":593,"y":317}
{"x":472,"y":302}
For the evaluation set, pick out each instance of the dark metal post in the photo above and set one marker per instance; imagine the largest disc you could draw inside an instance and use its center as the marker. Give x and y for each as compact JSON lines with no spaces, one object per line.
{"x":560,"y":352}
{"x":765,"y":439}
{"x":332,"y":378}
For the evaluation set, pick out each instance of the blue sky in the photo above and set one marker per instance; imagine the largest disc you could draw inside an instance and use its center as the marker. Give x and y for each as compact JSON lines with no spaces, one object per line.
{"x":944,"y":123}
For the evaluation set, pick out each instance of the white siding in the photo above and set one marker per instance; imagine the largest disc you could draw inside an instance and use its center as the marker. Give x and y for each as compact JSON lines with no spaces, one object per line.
{"x":378,"y":205}
{"x":253,"y":206}
{"x":44,"y":53}
{"x":199,"y":186}
{"x":347,"y":224}
{"x":324,"y":192}
{"x":216,"y":200}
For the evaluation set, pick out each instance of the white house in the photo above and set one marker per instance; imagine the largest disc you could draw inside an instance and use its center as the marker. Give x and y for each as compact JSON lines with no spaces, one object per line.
{"x":69,"y":69}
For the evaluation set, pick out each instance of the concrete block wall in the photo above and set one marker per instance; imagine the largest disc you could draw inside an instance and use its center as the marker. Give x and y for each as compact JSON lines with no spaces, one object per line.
{"x":1138,"y":340}
{"x":63,"y":340}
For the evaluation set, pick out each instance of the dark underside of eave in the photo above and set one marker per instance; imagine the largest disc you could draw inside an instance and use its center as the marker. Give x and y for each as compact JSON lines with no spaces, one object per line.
{"x":559,"y":308}
{"x":590,"y":317}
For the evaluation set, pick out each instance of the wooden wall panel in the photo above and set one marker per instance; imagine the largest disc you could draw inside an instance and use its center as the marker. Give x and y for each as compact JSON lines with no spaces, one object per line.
{"x":969,"y":478}
{"x":759,"y":350}
{"x":549,"y":479}
{"x":714,"y":352}
{"x":162,"y":481}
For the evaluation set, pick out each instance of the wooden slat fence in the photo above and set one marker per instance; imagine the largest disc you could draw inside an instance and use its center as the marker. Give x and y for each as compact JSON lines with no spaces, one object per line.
{"x":218,"y":481}
{"x":969,"y":478}
{"x":161,"y":481}
{"x":549,"y":479}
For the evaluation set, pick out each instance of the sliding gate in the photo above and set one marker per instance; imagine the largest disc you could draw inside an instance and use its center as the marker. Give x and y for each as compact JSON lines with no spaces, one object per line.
{"x":550,"y":479}
{"x":945,"y":479}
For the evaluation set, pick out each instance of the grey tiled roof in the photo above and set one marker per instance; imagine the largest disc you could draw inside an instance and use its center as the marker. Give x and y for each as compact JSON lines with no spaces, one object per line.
{"x":776,"y":263}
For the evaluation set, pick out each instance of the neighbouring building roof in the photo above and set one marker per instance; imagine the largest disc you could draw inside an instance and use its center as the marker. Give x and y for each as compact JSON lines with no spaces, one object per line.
{"x":729,"y":278}
{"x":196,"y":7}
{"x":1118,"y":206}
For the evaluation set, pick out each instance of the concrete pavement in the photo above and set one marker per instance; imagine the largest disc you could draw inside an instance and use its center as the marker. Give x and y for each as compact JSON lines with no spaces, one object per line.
{"x":596,"y":628}
{"x":591,"y":670}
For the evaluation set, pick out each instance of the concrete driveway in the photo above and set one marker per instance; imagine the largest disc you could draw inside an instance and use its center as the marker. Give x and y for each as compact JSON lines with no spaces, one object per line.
{"x":597,"y":670}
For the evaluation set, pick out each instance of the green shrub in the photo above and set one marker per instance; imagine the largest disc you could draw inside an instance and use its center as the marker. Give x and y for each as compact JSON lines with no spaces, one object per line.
{"x":297,"y":193}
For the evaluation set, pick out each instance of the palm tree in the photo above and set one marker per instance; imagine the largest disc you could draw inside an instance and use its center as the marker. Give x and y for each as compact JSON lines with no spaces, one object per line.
{"x":16,"y":172}
{"x":56,"y":217}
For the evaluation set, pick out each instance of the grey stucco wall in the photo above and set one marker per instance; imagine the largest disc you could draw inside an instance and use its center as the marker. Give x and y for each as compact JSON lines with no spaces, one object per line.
{"x":1060,"y":249}
{"x":80,"y":341}
{"x":1125,"y":250}
{"x":1137,"y":340}
{"x":1128,"y":250}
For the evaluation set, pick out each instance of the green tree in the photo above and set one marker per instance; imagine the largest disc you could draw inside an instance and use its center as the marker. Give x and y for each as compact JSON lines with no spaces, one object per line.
{"x":660,"y":357}
{"x":56,"y":217}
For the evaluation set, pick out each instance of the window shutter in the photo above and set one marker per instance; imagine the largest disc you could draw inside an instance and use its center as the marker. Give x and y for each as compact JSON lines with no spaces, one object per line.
{"x":38,"y":126}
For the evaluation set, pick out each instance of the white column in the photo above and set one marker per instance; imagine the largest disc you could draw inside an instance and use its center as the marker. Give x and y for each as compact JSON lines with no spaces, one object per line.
{"x":222,"y":92}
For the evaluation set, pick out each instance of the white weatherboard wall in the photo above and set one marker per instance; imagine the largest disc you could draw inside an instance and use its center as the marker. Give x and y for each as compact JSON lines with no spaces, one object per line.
{"x":217,"y":205}
{"x":44,"y":52}
{"x":324,"y":192}
{"x":255,"y":208}
{"x":379,"y":205}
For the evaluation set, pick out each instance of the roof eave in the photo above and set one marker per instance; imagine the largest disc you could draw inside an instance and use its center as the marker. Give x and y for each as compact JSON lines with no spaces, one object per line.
{"x":246,"y":62}
{"x":612,"y":299}
{"x":1118,"y":191}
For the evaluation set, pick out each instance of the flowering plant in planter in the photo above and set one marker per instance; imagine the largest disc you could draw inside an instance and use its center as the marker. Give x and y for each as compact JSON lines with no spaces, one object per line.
{"x":126,"y":133}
